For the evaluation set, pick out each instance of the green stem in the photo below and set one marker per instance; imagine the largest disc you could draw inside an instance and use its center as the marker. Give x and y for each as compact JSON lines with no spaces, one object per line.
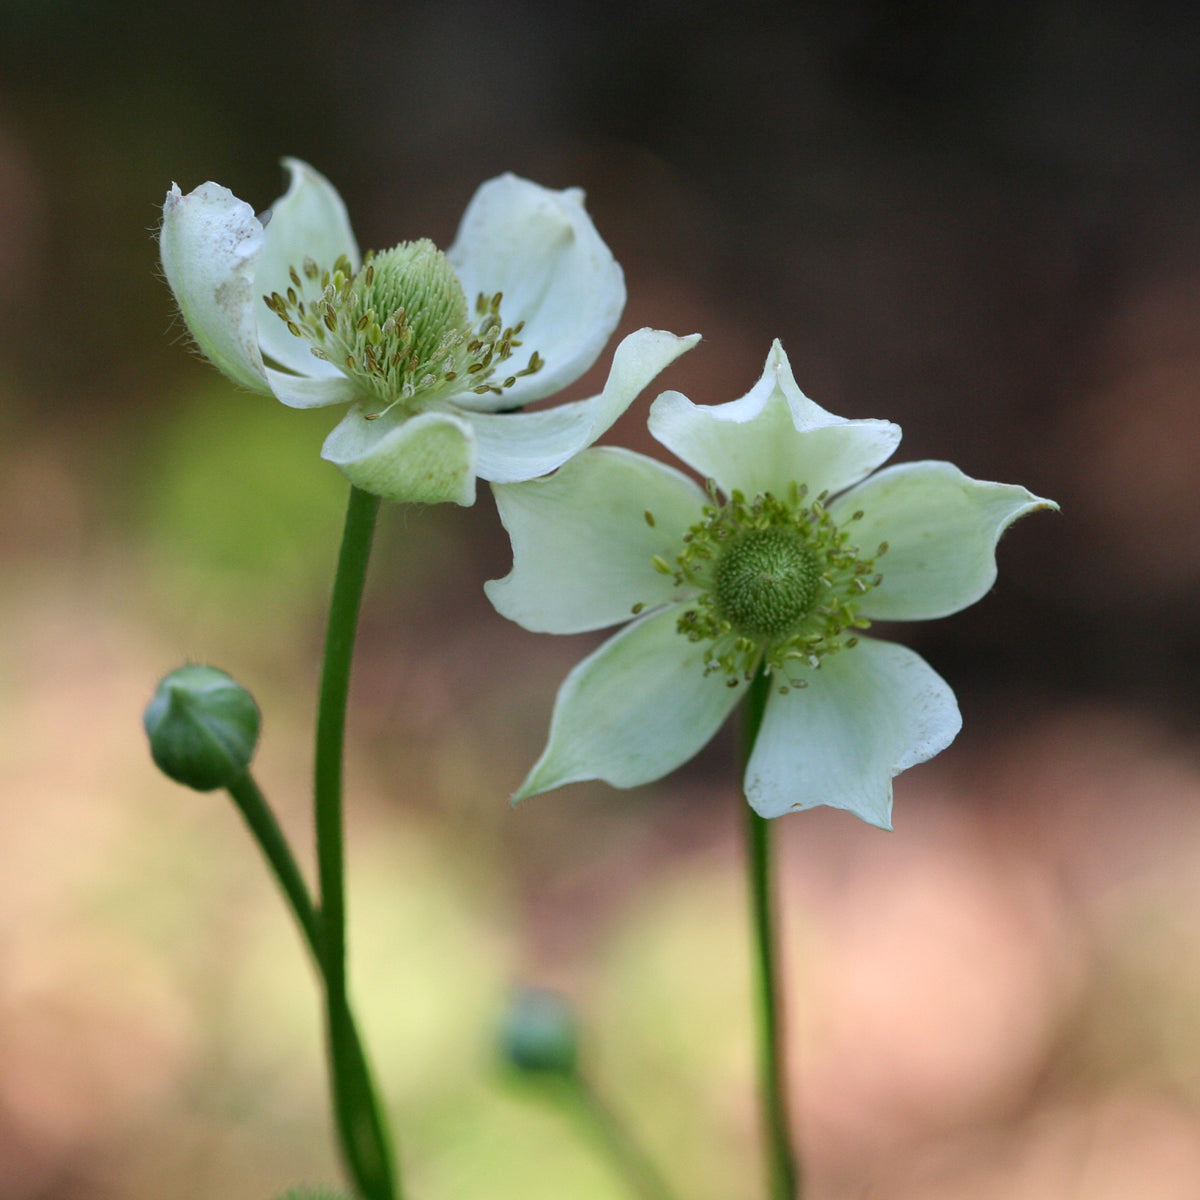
{"x":261,"y":820}
{"x":253,"y":806}
{"x":360,"y":1125}
{"x":783,"y":1165}
{"x":643,"y":1176}
{"x":331,"y":727}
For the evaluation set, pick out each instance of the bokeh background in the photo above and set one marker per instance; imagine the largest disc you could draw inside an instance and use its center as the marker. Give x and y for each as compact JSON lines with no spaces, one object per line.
{"x":981,"y":221}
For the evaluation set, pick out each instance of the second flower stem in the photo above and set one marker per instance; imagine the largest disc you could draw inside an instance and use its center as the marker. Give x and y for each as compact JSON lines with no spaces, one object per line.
{"x":356,"y":1119}
{"x":360,"y":1125}
{"x":265,"y":829}
{"x":612,"y":1136}
{"x":783,"y":1167}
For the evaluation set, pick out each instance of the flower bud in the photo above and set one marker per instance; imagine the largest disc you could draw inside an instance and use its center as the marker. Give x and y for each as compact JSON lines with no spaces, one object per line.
{"x":539,"y":1033}
{"x":203,"y":727}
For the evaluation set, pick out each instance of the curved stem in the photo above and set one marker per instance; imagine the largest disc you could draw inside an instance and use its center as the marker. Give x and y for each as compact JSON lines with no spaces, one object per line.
{"x":783,"y":1165}
{"x":640,"y":1172}
{"x":252,"y":804}
{"x":261,"y":820}
{"x":361,"y":1128}
{"x":331,"y":727}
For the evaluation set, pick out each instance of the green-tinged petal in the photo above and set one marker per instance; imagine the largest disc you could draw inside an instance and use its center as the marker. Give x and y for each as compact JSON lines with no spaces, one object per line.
{"x":539,"y":248}
{"x":427,"y":459}
{"x":868,"y":713}
{"x":308,"y":221}
{"x":941,"y":527}
{"x":300,"y":391}
{"x":519,"y":446}
{"x":773,"y":436}
{"x":582,"y":546}
{"x":211,"y":243}
{"x":632,"y":711}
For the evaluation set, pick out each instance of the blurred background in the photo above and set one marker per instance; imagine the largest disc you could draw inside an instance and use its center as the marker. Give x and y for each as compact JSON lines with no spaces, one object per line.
{"x":979,"y":221}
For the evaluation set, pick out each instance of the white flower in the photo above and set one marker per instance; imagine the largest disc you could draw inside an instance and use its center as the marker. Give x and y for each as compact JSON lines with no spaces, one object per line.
{"x":790,"y":553}
{"x":433,"y":351}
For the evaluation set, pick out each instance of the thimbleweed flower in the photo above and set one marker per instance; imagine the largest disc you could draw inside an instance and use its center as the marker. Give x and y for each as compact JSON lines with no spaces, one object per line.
{"x":778,"y":566}
{"x":203,"y":727}
{"x":434,"y":352}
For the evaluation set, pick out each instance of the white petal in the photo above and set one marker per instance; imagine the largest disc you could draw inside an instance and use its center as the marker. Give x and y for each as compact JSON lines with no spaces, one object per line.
{"x":540,"y":249}
{"x":308,"y":221}
{"x":632,"y":711}
{"x":519,"y":446}
{"x":773,"y":436}
{"x":428,"y":459}
{"x":868,"y":713}
{"x":941,"y":527}
{"x":301,"y":391}
{"x":582,"y":547}
{"x":210,"y":244}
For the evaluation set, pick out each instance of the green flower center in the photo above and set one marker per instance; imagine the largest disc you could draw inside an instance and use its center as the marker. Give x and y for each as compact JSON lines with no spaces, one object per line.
{"x":765,"y":580}
{"x":400,"y":326}
{"x":776,"y":584}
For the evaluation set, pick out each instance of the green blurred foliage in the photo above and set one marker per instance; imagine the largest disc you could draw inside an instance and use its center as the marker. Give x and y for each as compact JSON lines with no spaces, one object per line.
{"x":235,"y":512}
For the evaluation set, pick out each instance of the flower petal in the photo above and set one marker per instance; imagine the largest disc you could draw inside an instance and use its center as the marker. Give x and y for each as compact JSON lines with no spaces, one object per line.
{"x":632,"y":711}
{"x":773,"y":436}
{"x":301,"y":391}
{"x":582,"y":547}
{"x":540,"y":249}
{"x":941,"y":527}
{"x":211,"y":243}
{"x":868,"y":713}
{"x":427,"y":459}
{"x":518,"y":446}
{"x":308,"y":221}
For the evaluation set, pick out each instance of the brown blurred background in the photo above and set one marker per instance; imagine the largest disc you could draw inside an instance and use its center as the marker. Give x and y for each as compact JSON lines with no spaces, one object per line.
{"x":980,"y":221}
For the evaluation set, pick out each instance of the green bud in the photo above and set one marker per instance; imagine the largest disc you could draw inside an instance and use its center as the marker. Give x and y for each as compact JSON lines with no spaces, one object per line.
{"x":539,"y":1034}
{"x":203,"y":727}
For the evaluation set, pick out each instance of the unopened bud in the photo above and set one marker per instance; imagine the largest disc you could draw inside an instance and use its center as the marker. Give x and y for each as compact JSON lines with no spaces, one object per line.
{"x":539,"y":1033}
{"x":203,"y":727}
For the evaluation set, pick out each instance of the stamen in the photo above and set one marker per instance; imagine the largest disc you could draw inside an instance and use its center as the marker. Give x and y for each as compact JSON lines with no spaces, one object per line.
{"x":775,"y":583}
{"x":400,"y":326}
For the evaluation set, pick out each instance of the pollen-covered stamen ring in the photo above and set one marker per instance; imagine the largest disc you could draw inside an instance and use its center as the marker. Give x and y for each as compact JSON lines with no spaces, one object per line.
{"x":776,"y":584}
{"x":400,"y":326}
